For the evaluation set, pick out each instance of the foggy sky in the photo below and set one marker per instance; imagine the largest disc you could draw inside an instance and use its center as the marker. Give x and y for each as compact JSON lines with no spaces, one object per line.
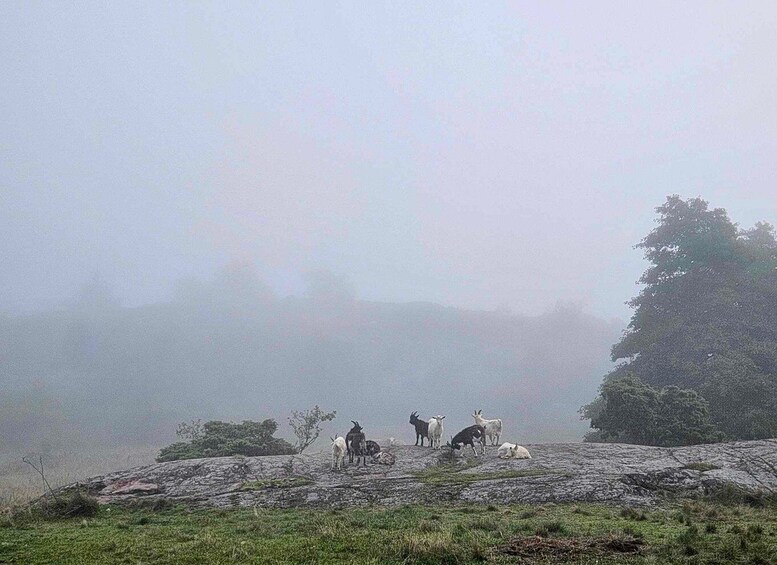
{"x":500,"y":155}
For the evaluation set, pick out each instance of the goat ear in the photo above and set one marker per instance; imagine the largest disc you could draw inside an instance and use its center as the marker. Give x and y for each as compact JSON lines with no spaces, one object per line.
{"x":442,"y":417}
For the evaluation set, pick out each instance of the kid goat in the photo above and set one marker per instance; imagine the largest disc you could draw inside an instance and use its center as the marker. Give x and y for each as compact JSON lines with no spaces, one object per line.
{"x":493,"y":427}
{"x":338,"y":452}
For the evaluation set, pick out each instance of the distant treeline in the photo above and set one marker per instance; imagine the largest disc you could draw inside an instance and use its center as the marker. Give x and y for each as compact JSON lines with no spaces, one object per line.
{"x":231,"y":350}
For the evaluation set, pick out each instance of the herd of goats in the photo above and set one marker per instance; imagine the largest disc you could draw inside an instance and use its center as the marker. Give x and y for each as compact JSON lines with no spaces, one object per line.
{"x":357,"y":446}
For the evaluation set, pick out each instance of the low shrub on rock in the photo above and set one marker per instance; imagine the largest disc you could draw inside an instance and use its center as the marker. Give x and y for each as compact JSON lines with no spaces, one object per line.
{"x":222,"y":439}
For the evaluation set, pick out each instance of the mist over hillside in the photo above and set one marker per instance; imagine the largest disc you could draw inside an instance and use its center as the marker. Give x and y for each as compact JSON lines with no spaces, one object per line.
{"x":232,"y":350}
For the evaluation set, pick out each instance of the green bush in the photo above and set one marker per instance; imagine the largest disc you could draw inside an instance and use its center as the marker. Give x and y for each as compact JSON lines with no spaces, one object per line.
{"x":222,"y":439}
{"x":631,"y":411}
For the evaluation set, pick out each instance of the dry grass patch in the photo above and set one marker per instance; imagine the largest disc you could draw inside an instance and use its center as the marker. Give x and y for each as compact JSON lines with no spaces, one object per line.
{"x":439,"y":547}
{"x":539,"y":547}
{"x":19,"y":483}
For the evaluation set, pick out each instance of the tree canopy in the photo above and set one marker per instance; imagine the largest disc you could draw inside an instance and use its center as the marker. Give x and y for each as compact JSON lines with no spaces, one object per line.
{"x":705,"y":318}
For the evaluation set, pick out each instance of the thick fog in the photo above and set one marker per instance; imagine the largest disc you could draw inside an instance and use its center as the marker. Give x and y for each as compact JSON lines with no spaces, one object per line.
{"x":232,"y":211}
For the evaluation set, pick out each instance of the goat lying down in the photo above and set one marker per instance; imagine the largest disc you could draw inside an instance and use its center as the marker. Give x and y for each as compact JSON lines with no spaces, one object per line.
{"x":373,"y":448}
{"x":512,"y":451}
{"x":384,"y":458}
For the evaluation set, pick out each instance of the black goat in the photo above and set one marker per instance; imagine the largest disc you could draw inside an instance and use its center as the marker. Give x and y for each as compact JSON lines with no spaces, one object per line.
{"x":354,"y":432}
{"x":358,"y":448}
{"x":373,"y":448}
{"x":421,"y":428}
{"x":467,"y":436}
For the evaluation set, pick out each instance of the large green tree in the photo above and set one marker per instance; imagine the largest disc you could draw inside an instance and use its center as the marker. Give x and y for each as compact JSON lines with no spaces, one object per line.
{"x":706,"y":318}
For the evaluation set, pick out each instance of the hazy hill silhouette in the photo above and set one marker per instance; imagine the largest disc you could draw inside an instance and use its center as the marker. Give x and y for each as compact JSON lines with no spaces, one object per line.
{"x":232,"y":350}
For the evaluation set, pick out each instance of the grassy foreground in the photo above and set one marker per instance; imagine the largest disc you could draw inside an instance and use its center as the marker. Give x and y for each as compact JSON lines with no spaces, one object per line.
{"x":693,"y":532}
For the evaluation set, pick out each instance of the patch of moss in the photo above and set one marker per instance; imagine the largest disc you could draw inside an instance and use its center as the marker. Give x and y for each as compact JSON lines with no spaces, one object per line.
{"x":448,"y":474}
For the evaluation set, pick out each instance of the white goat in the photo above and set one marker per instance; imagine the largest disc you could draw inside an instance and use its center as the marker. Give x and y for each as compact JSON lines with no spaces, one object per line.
{"x":493,"y":427}
{"x":435,"y":431}
{"x":338,"y":452}
{"x":512,"y":451}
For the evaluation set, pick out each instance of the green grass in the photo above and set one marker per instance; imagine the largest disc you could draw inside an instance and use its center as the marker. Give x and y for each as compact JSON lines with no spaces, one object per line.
{"x":285,"y":482}
{"x":694,"y":533}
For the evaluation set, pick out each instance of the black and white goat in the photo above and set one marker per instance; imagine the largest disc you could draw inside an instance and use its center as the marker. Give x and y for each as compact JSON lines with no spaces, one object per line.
{"x":421,"y":428}
{"x":467,"y":436}
{"x":373,"y":448}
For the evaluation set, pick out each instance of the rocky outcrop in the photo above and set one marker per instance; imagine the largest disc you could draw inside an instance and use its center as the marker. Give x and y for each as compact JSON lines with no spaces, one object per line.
{"x":584,"y":472}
